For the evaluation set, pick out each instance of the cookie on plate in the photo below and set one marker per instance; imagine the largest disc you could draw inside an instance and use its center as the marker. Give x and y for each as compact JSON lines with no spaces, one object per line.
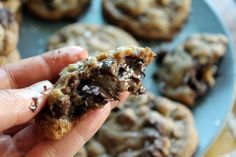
{"x":54,"y":10}
{"x":148,"y":19}
{"x":8,"y":32}
{"x":189,"y":71}
{"x":10,"y":58}
{"x":93,"y":38}
{"x":90,"y":84}
{"x":81,"y":153}
{"x":146,"y":125}
{"x":14,"y":6}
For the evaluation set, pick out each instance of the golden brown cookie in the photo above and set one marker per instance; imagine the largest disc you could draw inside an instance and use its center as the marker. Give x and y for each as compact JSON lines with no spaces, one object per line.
{"x":8,"y":32}
{"x":148,"y":19}
{"x":14,"y":6}
{"x":189,"y":71}
{"x":90,"y":84}
{"x":93,"y":38}
{"x":54,"y":10}
{"x":146,"y":125}
{"x":10,"y":58}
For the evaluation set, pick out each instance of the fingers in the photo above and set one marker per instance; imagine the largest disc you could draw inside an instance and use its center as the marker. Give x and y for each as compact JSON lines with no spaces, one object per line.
{"x":123,"y":97}
{"x":8,"y":147}
{"x":70,"y":144}
{"x":35,"y":69}
{"x":17,"y":128}
{"x":75,"y":140}
{"x":19,"y":106}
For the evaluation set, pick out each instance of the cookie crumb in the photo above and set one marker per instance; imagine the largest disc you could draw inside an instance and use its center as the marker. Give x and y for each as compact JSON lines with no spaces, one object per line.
{"x":34,"y":104}
{"x":45,"y":88}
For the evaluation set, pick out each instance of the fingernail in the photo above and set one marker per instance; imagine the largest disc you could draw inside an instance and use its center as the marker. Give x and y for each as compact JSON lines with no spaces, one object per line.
{"x":72,"y":51}
{"x":42,"y":87}
{"x":75,"y":52}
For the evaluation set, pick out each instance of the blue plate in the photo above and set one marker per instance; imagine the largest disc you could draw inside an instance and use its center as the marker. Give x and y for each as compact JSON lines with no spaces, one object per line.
{"x":210,"y":112}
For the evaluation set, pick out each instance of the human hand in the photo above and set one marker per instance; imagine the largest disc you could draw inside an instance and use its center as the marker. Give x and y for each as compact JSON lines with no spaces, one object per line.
{"x":20,"y":136}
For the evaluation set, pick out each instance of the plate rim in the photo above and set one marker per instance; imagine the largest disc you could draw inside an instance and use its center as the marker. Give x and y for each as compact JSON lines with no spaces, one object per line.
{"x":231,"y":46}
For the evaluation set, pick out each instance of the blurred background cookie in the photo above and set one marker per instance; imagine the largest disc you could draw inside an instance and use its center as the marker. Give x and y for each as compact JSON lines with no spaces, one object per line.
{"x":94,"y":38}
{"x":53,"y":10}
{"x":14,"y":6}
{"x":146,"y":125}
{"x":148,"y":19}
{"x":8,"y":32}
{"x":189,"y":71}
{"x":10,"y":58}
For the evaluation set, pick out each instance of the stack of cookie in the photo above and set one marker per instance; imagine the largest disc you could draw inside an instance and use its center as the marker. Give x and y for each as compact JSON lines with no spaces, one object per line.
{"x":8,"y":37}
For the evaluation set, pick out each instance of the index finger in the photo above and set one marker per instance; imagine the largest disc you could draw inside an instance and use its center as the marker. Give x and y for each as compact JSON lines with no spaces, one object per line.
{"x":29,"y":139}
{"x":35,"y":69}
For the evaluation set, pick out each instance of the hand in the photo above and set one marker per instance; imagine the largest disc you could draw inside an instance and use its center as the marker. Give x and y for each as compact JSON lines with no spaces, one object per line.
{"x":19,"y":136}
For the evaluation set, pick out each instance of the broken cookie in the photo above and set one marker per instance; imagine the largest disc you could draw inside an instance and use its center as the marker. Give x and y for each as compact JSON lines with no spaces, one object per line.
{"x":189,"y":71}
{"x":90,"y":84}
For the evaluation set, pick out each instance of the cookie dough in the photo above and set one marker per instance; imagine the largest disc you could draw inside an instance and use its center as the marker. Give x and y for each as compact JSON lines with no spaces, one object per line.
{"x":90,"y":84}
{"x":53,"y":10}
{"x":148,"y":19}
{"x":93,"y":38}
{"x":189,"y":71}
{"x":146,"y":125}
{"x":8,"y":32}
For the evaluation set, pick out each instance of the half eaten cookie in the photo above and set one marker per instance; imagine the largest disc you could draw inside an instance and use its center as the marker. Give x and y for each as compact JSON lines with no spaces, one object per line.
{"x":90,"y":84}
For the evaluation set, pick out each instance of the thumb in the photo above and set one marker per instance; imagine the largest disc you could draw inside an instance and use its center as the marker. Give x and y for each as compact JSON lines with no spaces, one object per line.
{"x":18,"y":106}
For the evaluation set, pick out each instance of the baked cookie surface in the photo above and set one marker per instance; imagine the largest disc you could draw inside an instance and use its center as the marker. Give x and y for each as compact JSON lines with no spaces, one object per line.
{"x":148,"y":19}
{"x":93,"y":38}
{"x":54,"y":10}
{"x":189,"y":71}
{"x":146,"y":125}
{"x":91,"y":84}
{"x":10,"y":58}
{"x":14,"y":6}
{"x":9,"y":32}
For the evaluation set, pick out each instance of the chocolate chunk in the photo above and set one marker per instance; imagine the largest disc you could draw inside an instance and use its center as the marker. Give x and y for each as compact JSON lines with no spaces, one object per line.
{"x":91,"y":84}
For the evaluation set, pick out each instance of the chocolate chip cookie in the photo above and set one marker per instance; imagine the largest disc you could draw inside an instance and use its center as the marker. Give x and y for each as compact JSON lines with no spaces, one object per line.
{"x":90,"y":84}
{"x":8,"y":32}
{"x":53,"y":10}
{"x":146,"y":125}
{"x":10,"y":58}
{"x":14,"y":6}
{"x":148,"y":19}
{"x":189,"y":71}
{"x":93,"y":38}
